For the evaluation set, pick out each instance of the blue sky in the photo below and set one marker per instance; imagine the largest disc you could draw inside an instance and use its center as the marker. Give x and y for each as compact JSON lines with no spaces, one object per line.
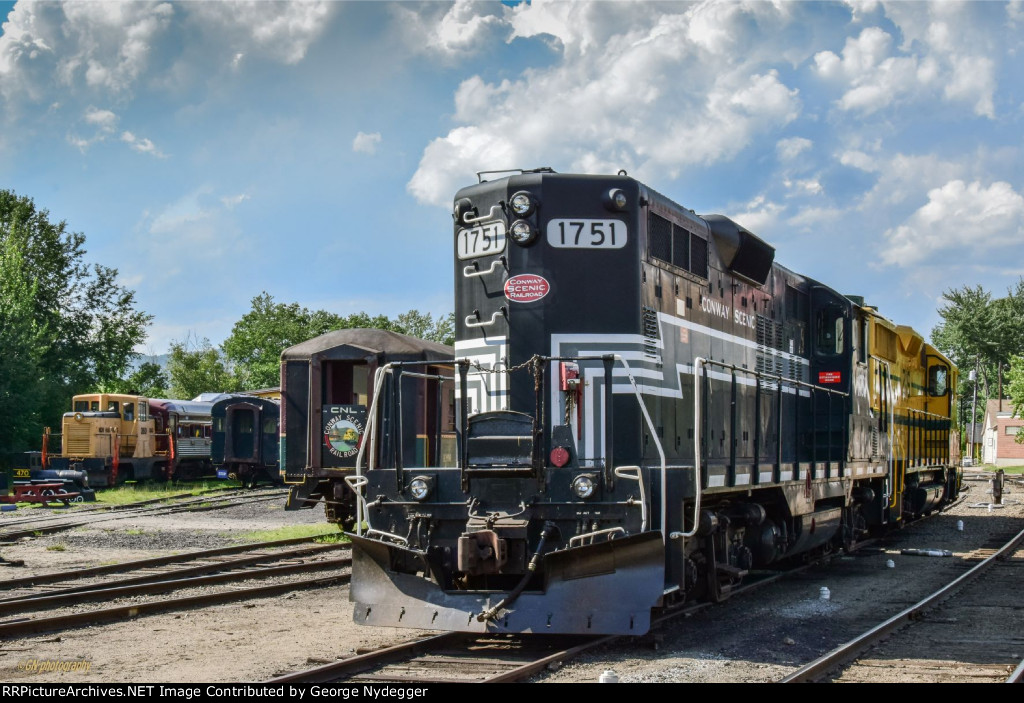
{"x":210,"y":151}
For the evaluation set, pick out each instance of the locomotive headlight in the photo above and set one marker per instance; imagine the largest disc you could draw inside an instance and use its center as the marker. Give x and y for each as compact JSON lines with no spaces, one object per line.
{"x":615,"y":200}
{"x":522,"y":232}
{"x":462,"y":207}
{"x":522,"y":204}
{"x":583,"y":486}
{"x":420,"y":487}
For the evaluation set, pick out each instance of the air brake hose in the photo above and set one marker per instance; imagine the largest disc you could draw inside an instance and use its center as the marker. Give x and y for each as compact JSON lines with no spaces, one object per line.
{"x":531,"y":568}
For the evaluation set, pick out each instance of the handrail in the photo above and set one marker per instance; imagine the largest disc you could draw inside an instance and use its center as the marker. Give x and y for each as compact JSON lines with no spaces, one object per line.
{"x":467,"y":220}
{"x":772,"y":376}
{"x":591,"y":535}
{"x":500,"y":312}
{"x":647,"y":419}
{"x":471,"y":271}
{"x":357,"y":481}
{"x":698,"y":364}
{"x":636,"y":475}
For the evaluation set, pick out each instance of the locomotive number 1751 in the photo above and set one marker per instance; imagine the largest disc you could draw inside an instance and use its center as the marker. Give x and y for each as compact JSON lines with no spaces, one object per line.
{"x":480,"y":241}
{"x":587,"y":234}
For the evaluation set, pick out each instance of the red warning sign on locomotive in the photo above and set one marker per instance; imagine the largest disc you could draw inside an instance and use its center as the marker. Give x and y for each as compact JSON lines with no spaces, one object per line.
{"x":526,"y":288}
{"x":830,"y":377}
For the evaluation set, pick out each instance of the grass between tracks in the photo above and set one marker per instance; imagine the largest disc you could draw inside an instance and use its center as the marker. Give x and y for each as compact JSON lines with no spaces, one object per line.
{"x":133,"y":493}
{"x":327,"y":534}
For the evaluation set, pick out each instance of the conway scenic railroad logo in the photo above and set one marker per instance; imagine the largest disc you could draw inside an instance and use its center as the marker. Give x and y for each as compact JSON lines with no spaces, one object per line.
{"x":526,"y":288}
{"x":342,"y":433}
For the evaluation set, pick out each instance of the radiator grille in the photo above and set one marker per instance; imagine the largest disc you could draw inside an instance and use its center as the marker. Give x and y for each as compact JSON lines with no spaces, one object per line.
{"x":78,"y":440}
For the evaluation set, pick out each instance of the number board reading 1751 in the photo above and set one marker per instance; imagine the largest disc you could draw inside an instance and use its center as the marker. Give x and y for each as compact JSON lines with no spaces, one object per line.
{"x":484,"y":240}
{"x":587,"y":234}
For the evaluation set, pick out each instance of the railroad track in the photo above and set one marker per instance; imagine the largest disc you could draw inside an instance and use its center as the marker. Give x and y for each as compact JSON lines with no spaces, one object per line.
{"x":58,"y":606}
{"x":456,"y":657}
{"x":932,"y":641}
{"x":465,"y":658}
{"x":99,"y":507}
{"x":34,"y":528}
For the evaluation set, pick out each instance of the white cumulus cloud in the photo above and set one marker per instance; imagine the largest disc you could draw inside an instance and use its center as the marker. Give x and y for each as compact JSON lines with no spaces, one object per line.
{"x":788,"y":149}
{"x":141,"y":144}
{"x":283,"y":30}
{"x":945,"y":53}
{"x":366,"y":143}
{"x":650,"y":101}
{"x":463,"y":28}
{"x":967,"y":220}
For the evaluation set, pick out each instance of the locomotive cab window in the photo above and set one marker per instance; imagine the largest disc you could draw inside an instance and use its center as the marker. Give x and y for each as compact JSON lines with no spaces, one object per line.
{"x":81,"y":406}
{"x":937,"y":380}
{"x":129,"y":412}
{"x":114,"y":407}
{"x":830,"y":339}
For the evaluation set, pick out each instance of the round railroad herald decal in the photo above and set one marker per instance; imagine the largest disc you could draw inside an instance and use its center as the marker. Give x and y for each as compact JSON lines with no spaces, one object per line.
{"x":526,"y":288}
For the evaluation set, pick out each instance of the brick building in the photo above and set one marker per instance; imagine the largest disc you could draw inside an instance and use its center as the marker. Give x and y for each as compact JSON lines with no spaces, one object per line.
{"x":1001,"y":428}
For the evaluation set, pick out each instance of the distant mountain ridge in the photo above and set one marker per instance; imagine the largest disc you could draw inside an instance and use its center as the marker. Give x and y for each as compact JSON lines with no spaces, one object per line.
{"x":158,"y":359}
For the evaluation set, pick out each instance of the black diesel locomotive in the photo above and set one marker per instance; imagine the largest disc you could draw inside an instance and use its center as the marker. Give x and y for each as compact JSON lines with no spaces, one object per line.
{"x":648,"y":408}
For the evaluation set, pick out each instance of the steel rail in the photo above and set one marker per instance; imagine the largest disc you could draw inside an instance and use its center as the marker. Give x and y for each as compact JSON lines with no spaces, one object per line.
{"x":61,"y":595}
{"x":351,"y":666}
{"x":222,"y":502}
{"x":362,"y":662}
{"x":854,"y":647}
{"x":61,"y":622}
{"x":1017,"y":676}
{"x":58,"y":576}
{"x":120,"y":590}
{"x":98,"y":507}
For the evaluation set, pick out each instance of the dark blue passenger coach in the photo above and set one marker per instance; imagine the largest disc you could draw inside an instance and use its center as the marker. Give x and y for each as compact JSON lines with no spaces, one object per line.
{"x":246,"y":439}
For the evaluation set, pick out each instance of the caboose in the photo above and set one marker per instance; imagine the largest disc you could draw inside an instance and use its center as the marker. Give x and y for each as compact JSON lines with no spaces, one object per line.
{"x":649,"y":407}
{"x":327,"y":386}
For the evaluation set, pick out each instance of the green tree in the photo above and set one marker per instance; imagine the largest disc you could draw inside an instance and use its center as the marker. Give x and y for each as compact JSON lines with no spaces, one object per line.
{"x":1015,"y":389}
{"x":424,"y":326}
{"x":86,"y":320}
{"x":21,"y":349}
{"x":196,"y":366}
{"x":148,"y":380}
{"x":256,"y":341}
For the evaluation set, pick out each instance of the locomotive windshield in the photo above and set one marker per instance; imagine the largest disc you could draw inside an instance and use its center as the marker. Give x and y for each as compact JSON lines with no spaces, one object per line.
{"x":830,"y":322}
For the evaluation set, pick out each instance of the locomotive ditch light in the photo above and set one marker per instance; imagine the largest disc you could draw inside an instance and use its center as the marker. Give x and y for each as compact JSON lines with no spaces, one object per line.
{"x":583,"y":486}
{"x":421,"y":487}
{"x":522,"y":204}
{"x":615,"y":200}
{"x":522,"y":233}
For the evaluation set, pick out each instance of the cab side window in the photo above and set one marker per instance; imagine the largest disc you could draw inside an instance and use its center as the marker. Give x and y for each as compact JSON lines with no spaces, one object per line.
{"x":831,"y":332}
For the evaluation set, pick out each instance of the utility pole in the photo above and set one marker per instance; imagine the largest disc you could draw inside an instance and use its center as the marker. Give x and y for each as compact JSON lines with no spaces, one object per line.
{"x":974,"y":405}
